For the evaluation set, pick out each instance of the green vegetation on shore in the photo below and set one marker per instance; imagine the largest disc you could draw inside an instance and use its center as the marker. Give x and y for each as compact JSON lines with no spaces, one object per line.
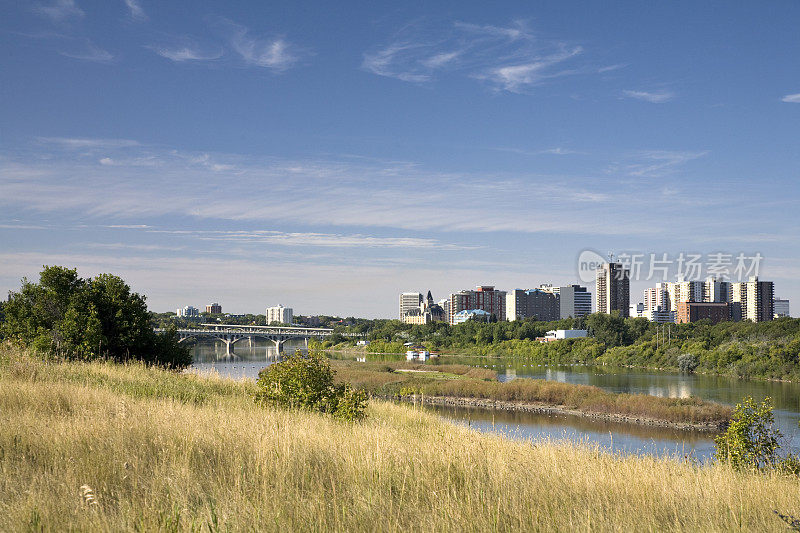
{"x":396,"y":379}
{"x":768,"y":350}
{"x":66,"y":316}
{"x":97,"y":446}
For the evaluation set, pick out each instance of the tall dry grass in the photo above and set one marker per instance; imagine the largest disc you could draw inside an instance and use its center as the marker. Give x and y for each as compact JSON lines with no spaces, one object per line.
{"x":82,"y":447}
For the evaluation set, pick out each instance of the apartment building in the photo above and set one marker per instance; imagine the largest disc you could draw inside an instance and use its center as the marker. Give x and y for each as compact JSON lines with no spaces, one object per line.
{"x":613,"y":289}
{"x":484,"y":297}
{"x":279,"y":313}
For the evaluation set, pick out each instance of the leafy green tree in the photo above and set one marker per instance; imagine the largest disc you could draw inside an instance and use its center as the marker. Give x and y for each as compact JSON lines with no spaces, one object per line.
{"x":66,"y":316}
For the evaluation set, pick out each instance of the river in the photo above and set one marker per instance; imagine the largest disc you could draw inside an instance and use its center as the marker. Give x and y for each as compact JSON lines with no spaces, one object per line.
{"x":617,"y":437}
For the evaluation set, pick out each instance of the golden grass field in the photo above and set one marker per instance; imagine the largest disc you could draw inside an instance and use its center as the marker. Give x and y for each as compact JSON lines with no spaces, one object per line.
{"x":106,"y":447}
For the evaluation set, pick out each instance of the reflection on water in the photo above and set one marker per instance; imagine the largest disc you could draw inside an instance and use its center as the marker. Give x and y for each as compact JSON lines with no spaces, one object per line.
{"x":249,"y":359}
{"x":612,"y":436}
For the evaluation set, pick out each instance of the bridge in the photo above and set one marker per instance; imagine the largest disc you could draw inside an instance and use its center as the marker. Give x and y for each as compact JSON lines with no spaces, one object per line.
{"x":230,"y":334}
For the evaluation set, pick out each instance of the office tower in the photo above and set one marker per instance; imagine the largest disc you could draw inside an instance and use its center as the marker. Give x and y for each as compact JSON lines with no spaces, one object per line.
{"x":214,"y":309}
{"x":484,"y":297}
{"x":408,"y":301}
{"x":574,"y":301}
{"x":533,"y":303}
{"x":781,"y":308}
{"x":279,"y":314}
{"x":613,"y":289}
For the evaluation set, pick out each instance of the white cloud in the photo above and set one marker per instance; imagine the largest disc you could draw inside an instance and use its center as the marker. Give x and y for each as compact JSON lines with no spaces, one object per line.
{"x":516,"y":78}
{"x":83,"y":142}
{"x":60,"y":10}
{"x":187,"y":53}
{"x":791,"y":98}
{"x":276,"y":54}
{"x":656,"y":163}
{"x":135,"y":10}
{"x":324,"y":193}
{"x":510,"y":58}
{"x":333,"y":240}
{"x":655,"y":97}
{"x":87,"y":51}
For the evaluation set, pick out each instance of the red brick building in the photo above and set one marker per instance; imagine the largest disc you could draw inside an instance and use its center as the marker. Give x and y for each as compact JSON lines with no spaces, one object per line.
{"x":694,"y":311}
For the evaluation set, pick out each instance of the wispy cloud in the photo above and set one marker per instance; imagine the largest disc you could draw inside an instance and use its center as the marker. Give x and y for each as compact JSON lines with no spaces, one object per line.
{"x":135,"y":10}
{"x":87,"y":51}
{"x":60,"y":10}
{"x":611,"y":68}
{"x":517,"y":78}
{"x":321,"y":193}
{"x":655,"y":163}
{"x":187,"y":53}
{"x":654,"y":97}
{"x":274,"y":53}
{"x":84,"y":142}
{"x":332,"y":240}
{"x":508,"y":58}
{"x":791,"y":98}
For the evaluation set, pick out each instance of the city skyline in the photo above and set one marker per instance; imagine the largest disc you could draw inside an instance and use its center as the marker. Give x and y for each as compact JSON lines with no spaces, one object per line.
{"x":333,"y":158}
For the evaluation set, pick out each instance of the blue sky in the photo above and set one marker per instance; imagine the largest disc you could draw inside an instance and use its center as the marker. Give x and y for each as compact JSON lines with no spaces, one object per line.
{"x":328,"y":156}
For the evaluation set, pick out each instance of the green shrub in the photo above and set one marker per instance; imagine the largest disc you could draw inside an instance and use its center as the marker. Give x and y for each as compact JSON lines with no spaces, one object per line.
{"x":688,"y":363}
{"x":751,"y":441}
{"x":306,"y":382}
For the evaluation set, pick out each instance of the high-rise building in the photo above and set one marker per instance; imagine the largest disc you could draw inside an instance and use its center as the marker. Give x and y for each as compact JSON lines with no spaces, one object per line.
{"x":484,"y":297}
{"x":613,"y":289}
{"x":716,"y":290}
{"x":693,"y":311}
{"x":657,"y":296}
{"x":781,"y":308}
{"x":534,"y":303}
{"x":684,"y":291}
{"x":752,"y":300}
{"x":214,"y":309}
{"x":188,"y":312}
{"x":574,"y":301}
{"x":408,"y":301}
{"x":280,"y":314}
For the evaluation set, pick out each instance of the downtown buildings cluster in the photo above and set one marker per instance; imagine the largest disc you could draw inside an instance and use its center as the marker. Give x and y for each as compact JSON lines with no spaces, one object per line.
{"x":681,"y":301}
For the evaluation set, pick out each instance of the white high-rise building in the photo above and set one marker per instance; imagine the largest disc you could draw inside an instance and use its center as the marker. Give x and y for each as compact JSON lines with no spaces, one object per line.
{"x":684,"y":291}
{"x":574,"y":301}
{"x":280,"y":314}
{"x":409,"y":301}
{"x":752,"y":300}
{"x":188,"y":312}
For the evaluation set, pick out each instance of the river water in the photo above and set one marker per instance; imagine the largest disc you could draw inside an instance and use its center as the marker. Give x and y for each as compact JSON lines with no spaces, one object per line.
{"x":617,"y":437}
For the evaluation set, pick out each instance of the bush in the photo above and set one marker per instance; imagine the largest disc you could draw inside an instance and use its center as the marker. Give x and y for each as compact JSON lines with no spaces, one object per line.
{"x":306,"y":382}
{"x":688,"y":363}
{"x":750,"y":442}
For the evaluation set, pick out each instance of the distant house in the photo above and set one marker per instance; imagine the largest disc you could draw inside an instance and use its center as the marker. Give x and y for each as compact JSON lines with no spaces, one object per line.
{"x":362,"y":343}
{"x":561,"y":334}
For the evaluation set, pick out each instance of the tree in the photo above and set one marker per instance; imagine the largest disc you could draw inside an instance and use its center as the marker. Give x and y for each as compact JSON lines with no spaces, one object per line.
{"x":66,"y":316}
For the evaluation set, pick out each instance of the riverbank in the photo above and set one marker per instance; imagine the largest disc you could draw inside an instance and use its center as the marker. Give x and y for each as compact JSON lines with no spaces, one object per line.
{"x":527,"y":407}
{"x":101,"y":446}
{"x":462,"y":385}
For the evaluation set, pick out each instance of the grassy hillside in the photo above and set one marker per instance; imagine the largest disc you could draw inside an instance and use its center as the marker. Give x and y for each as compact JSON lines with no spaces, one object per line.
{"x":161,"y":451}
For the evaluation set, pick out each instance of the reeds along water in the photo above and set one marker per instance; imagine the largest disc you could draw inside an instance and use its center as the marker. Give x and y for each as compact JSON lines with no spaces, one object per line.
{"x":162,"y":451}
